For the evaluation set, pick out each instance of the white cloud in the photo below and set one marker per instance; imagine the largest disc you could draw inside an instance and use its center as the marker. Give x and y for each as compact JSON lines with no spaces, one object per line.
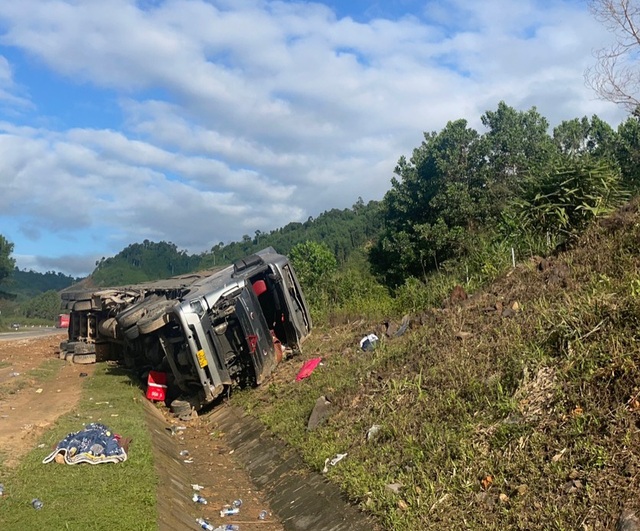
{"x":247,"y":115}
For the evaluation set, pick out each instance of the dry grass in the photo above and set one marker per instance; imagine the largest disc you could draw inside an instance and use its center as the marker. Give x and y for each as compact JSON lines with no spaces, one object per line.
{"x":492,"y":415}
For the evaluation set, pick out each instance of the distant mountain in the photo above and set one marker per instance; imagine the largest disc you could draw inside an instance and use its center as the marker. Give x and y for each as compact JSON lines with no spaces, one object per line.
{"x":22,"y":285}
{"x":343,"y":231}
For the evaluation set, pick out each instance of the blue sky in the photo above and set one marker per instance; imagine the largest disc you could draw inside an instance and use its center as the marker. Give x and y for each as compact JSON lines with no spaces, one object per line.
{"x":198,"y":121}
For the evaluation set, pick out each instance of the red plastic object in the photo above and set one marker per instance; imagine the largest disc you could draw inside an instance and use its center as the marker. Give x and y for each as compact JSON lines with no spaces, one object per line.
{"x":308,"y":368}
{"x":259,"y":287}
{"x":156,"y":385}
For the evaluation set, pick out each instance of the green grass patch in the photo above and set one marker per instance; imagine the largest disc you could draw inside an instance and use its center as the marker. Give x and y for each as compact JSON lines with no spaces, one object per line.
{"x":529,"y":420}
{"x":106,"y":496}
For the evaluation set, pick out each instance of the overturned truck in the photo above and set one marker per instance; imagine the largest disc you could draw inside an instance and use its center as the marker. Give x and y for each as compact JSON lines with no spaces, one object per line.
{"x":206,"y":331}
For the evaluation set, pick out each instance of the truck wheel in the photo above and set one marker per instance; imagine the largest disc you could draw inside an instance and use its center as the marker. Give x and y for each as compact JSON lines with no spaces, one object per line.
{"x":82,"y":306}
{"x":132,"y":333}
{"x":108,"y":327}
{"x":156,"y":318}
{"x":84,"y":359}
{"x":132,"y":315}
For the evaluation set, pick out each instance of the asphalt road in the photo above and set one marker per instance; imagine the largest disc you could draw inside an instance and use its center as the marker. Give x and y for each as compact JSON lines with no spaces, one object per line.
{"x":31,"y":333}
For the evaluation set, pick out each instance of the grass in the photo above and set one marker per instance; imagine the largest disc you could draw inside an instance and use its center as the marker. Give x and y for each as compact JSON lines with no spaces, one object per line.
{"x":106,"y":496}
{"x":531,"y":422}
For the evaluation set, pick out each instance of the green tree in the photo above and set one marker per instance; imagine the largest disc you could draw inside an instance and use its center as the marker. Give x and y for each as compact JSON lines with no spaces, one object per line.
{"x":564,"y":201}
{"x":7,"y":263}
{"x":314,"y":262}
{"x":44,"y":306}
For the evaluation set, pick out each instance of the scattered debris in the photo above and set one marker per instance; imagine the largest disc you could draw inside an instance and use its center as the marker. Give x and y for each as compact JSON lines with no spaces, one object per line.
{"x":320,"y":412}
{"x":369,"y":342}
{"x":197,"y":487}
{"x":263,"y":515}
{"x":83,"y":375}
{"x":229,"y":511}
{"x":332,"y":462}
{"x":39,"y":390}
{"x":307,"y":368}
{"x":199,"y":499}
{"x":36,"y":504}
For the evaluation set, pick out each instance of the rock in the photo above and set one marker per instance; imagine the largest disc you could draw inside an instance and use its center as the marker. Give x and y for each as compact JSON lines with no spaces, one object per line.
{"x":394,"y":487}
{"x":463,"y":335}
{"x":458,"y":295}
{"x":628,"y":521}
{"x":320,"y":412}
{"x":508,"y":312}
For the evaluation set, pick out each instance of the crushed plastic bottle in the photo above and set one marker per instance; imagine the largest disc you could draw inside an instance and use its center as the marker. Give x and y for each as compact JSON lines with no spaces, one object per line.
{"x":204,"y":524}
{"x":36,"y":504}
{"x":237,"y":503}
{"x":227,"y":527}
{"x":262,"y":515}
{"x":199,"y":499}
{"x":1,"y":489}
{"x":229,"y":511}
{"x":184,"y":453}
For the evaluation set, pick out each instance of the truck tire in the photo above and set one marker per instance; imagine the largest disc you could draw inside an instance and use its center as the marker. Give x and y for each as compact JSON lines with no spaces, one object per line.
{"x":82,"y":306}
{"x":84,"y":359}
{"x":132,"y":315}
{"x":108,"y":327}
{"x":156,"y":318}
{"x":132,"y":333}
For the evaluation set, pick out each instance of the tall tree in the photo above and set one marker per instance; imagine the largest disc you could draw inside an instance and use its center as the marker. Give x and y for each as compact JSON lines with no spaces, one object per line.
{"x":7,"y":263}
{"x":615,"y":76}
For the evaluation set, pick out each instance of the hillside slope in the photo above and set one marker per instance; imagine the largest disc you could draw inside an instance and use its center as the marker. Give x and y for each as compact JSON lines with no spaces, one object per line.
{"x":517,"y":408}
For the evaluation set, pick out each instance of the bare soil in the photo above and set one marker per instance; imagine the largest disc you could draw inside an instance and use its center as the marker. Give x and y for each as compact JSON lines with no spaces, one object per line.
{"x":29,"y":404}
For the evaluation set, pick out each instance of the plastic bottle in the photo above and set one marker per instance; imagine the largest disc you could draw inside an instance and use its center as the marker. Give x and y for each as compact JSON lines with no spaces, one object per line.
{"x":262,"y":515}
{"x":227,"y":527}
{"x":199,"y":499}
{"x":37,"y":504}
{"x":204,"y":524}
{"x":229,"y":511}
{"x":237,"y":503}
{"x":1,"y":489}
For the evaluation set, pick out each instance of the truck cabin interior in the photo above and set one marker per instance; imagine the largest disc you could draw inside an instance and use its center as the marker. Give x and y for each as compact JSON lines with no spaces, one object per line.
{"x":269,"y":294}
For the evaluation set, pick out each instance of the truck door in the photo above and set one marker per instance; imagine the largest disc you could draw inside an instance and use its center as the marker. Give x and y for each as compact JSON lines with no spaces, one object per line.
{"x":257,"y":335}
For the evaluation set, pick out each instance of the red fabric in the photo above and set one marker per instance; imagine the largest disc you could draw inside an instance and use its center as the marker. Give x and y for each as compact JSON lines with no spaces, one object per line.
{"x":308,"y":368}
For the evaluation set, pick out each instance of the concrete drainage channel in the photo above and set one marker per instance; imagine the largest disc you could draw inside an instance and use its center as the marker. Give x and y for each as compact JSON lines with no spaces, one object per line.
{"x":297,"y":499}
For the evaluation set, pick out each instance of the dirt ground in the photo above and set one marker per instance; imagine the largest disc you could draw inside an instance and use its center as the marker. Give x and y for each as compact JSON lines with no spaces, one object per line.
{"x":28,"y":407}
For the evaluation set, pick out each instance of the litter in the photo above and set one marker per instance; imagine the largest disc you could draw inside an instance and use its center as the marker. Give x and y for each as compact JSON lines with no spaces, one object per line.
{"x":307,"y":368}
{"x":199,"y":499}
{"x":94,"y":445}
{"x":332,"y":462}
{"x":229,"y":511}
{"x":36,"y":504}
{"x":369,"y":342}
{"x":197,"y":487}
{"x":262,"y":515}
